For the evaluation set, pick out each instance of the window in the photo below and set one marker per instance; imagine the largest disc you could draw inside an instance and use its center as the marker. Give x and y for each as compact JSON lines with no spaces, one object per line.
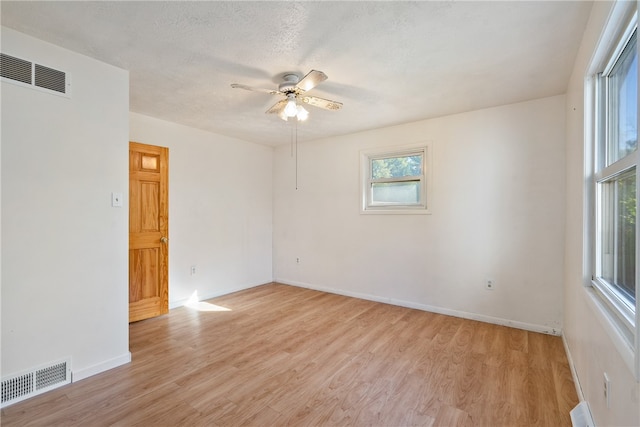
{"x":615,"y":179}
{"x":395,"y":180}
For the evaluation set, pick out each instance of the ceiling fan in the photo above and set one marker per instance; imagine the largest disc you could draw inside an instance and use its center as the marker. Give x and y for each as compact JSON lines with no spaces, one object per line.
{"x":293,"y":89}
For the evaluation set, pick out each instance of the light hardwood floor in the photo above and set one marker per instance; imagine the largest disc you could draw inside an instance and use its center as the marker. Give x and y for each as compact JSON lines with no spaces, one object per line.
{"x":289,"y":356}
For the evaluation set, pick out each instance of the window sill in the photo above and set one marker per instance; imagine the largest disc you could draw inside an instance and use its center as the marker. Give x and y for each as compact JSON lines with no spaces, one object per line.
{"x":395,"y":212}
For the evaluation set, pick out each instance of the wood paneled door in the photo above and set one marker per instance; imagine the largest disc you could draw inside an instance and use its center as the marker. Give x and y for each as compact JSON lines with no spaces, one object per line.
{"x":148,"y":231}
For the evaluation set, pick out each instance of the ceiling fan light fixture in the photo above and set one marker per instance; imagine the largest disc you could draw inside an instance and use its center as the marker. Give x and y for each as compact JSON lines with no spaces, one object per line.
{"x":302,"y":114}
{"x":291,"y":109}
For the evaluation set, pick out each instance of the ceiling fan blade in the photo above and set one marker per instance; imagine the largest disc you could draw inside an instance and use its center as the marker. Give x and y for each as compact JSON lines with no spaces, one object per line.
{"x":311,"y":80}
{"x":321,"y":102}
{"x":278,"y":107}
{"x":255,"y":89}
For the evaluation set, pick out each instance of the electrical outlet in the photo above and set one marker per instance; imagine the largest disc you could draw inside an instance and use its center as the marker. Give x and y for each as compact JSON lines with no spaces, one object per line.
{"x":606,"y":384}
{"x":489,"y":284}
{"x":193,"y":270}
{"x":116,"y":200}
{"x":297,"y":260}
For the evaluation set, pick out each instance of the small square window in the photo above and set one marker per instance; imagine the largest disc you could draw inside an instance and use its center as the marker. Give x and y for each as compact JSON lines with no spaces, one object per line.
{"x":395,"y":180}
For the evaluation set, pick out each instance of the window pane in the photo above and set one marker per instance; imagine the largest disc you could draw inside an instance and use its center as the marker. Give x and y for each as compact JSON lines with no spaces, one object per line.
{"x":623,"y":104}
{"x":618,"y":234}
{"x":395,"y":192}
{"x":396,"y":167}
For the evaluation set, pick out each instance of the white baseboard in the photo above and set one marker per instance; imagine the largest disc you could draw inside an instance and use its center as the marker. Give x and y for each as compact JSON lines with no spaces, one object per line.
{"x":572,"y":366}
{"x":101,"y":367}
{"x":433,"y":309}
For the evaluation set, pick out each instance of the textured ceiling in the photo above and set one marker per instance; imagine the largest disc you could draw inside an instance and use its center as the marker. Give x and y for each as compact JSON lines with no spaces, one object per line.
{"x":388,"y":62}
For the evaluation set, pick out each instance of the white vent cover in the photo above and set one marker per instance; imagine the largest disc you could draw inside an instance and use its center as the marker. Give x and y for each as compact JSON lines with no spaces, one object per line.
{"x":36,"y":381}
{"x":26,"y":73}
{"x":581,"y":415}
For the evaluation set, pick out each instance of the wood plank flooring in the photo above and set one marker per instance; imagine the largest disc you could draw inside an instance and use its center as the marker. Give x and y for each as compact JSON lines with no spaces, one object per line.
{"x":289,"y":356}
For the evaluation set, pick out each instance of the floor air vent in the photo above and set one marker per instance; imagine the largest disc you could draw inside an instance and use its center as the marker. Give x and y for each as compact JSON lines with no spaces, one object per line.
{"x":29,"y":74}
{"x":581,"y":415}
{"x":34,"y":382}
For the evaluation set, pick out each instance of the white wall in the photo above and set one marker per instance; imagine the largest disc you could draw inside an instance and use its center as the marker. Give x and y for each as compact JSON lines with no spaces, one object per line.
{"x":592,"y":342}
{"x":64,"y":248}
{"x":220,"y":209}
{"x":498,"y":209}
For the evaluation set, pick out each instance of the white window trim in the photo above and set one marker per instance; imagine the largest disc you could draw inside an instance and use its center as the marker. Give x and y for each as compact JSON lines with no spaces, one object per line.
{"x":624,"y":324}
{"x":366,"y":156}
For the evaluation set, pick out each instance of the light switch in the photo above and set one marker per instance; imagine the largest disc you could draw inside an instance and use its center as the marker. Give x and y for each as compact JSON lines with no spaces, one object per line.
{"x":116,"y":200}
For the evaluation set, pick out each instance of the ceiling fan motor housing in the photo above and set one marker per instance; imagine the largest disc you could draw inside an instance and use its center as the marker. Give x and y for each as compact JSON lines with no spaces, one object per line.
{"x":289,"y":84}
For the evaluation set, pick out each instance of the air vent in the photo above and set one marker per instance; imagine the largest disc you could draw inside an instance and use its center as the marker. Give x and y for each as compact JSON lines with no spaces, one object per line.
{"x":17,"y":387}
{"x":15,"y":69}
{"x":36,"y":76}
{"x":48,"y":78}
{"x":36,"y":381}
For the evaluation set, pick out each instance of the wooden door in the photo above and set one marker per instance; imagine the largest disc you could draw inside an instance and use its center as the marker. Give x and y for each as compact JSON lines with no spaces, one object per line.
{"x":148,"y":231}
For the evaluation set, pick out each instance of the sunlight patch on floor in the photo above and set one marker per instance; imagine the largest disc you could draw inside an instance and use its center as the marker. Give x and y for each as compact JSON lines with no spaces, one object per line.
{"x":194,"y":303}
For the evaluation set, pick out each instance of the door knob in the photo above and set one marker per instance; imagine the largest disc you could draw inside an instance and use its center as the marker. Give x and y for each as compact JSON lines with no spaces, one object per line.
{"x":164,"y":239}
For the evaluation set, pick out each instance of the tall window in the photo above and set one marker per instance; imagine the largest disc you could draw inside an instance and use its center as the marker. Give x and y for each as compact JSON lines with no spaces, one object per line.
{"x":616,"y":178}
{"x":395,"y":180}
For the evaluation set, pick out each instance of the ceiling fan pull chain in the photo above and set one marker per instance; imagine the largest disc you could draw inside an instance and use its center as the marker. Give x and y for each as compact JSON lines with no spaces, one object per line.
{"x":296,"y":125}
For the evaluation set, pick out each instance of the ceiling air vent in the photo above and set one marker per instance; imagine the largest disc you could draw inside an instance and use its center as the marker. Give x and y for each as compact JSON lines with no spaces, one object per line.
{"x":36,"y":76}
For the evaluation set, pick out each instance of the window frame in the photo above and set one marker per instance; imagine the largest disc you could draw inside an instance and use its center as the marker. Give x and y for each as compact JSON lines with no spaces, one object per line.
{"x":624,"y":317}
{"x":367,"y":206}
